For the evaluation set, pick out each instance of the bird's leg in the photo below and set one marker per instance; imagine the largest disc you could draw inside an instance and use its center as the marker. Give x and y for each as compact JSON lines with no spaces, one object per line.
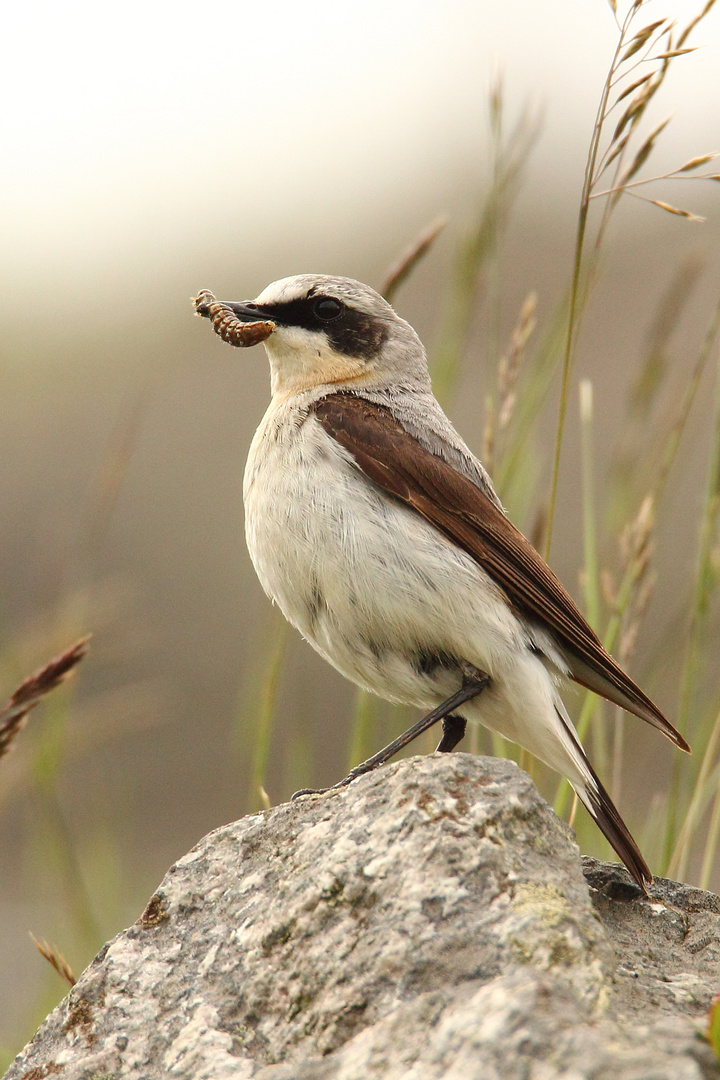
{"x":474,"y":682}
{"x":453,"y":732}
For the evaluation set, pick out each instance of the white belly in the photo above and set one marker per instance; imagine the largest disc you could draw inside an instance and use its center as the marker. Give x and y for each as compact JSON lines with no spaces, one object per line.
{"x":377,"y":590}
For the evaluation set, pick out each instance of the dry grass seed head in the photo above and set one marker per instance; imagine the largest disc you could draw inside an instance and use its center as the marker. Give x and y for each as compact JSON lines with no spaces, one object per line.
{"x":401,"y":269}
{"x":56,"y":959}
{"x":509,"y":365}
{"x":676,"y":210}
{"x":636,"y":541}
{"x":633,"y":616}
{"x":14,"y":713}
{"x":696,"y":162}
{"x":609,"y":589}
{"x":639,"y":39}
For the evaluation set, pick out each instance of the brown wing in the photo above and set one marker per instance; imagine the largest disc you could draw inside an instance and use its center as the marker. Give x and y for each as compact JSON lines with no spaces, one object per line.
{"x":399,"y":464}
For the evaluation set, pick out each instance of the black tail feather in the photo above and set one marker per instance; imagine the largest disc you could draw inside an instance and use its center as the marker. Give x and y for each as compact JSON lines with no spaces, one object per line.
{"x":619,"y":688}
{"x":595,"y":798}
{"x":605,"y":813}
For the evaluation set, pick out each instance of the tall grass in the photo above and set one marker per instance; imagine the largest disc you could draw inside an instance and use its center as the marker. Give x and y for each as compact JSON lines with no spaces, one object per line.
{"x":618,"y":141}
{"x":618,"y":146}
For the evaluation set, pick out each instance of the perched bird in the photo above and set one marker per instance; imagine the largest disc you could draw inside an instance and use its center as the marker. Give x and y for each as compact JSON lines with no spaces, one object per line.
{"x":381,"y":538}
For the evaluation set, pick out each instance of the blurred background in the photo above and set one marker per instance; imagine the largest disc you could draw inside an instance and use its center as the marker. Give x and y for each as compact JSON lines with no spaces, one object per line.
{"x":151,"y":150}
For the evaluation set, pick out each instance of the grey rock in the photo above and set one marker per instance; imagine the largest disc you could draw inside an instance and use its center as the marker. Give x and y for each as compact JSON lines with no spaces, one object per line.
{"x":667,"y":952}
{"x":430,"y":921}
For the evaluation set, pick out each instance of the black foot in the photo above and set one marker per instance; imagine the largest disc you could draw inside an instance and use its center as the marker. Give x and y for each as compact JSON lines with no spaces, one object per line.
{"x":453,"y":728}
{"x":474,"y":682}
{"x":308,"y":791}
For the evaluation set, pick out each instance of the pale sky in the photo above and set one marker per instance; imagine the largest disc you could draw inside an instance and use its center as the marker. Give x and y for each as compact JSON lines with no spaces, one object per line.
{"x":122,"y":117}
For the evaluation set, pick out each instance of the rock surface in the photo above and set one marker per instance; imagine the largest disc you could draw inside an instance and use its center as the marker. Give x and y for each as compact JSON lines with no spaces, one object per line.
{"x":430,"y":922}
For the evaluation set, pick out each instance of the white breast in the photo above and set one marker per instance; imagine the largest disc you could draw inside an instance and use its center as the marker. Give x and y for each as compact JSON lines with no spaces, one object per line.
{"x":367,"y":581}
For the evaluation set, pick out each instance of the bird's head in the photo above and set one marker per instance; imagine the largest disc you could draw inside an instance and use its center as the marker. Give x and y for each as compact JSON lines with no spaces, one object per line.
{"x":333,"y":331}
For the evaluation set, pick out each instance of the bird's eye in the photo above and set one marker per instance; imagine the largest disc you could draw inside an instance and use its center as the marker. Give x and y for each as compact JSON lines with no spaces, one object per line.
{"x":327,"y":308}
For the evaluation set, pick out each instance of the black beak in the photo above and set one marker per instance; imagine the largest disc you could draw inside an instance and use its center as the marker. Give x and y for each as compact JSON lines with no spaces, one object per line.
{"x":246,"y":311}
{"x":238,"y":324}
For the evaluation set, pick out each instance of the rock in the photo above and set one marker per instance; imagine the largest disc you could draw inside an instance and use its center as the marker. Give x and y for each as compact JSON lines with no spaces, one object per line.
{"x":666,"y":952}
{"x":430,"y":922}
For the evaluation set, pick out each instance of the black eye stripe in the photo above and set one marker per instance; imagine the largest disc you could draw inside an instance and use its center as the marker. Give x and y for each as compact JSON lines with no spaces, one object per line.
{"x":300,"y":312}
{"x":350,"y":332}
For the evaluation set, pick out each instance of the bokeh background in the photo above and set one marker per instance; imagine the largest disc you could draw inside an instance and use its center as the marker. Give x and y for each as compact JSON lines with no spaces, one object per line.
{"x":150,"y":150}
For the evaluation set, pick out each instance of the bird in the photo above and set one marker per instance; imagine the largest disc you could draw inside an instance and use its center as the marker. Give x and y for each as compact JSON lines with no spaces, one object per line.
{"x":380,"y":536}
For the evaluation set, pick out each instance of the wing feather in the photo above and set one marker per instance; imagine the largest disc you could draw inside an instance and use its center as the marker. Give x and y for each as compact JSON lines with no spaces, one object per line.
{"x":393,"y":459}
